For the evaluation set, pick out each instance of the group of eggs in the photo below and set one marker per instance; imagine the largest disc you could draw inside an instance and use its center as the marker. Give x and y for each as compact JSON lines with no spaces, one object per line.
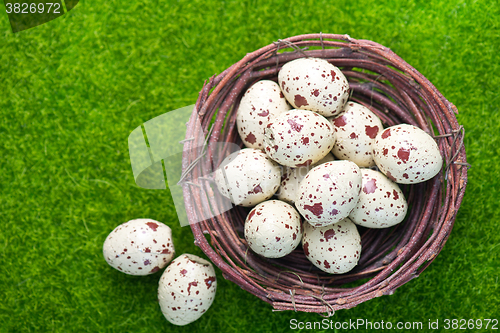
{"x":144,"y":246}
{"x":328,"y":162}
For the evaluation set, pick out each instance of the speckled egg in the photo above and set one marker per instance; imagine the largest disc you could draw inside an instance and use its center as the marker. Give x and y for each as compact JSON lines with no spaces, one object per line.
{"x":273,"y":229}
{"x":248,"y":177}
{"x":381,"y":203}
{"x":186,"y":289}
{"x":139,"y":247}
{"x":314,"y":84}
{"x":406,"y":154}
{"x":298,"y":138}
{"x":329,"y":192}
{"x":292,"y":177}
{"x":260,"y":103}
{"x":334,"y":249}
{"x":355,"y":129}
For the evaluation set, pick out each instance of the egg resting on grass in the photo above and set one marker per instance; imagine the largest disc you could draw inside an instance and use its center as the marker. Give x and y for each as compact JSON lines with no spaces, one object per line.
{"x":139,"y":247}
{"x":186,"y":289}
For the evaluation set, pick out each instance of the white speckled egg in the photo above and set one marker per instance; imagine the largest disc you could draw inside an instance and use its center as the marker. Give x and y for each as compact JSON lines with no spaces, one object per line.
{"x":139,"y":247}
{"x":186,"y":289}
{"x":406,"y":154}
{"x":329,"y":192}
{"x":335,"y":248}
{"x":248,"y":177}
{"x":355,"y":129}
{"x":298,"y":138}
{"x":260,"y":103}
{"x":290,"y":181}
{"x":273,"y":229}
{"x":381,"y":203}
{"x":314,"y":84}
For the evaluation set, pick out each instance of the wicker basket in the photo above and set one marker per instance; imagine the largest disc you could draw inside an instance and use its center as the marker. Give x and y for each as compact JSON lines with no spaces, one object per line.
{"x":397,"y":93}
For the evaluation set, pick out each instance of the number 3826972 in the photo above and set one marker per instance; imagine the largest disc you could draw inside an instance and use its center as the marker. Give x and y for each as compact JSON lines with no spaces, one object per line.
{"x":33,"y":8}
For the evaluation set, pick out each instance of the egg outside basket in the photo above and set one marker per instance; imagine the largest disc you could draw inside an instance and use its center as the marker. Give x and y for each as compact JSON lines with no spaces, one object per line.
{"x":397,"y":93}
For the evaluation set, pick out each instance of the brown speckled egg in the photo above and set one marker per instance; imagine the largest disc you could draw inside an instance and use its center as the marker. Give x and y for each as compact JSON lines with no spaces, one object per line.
{"x":314,"y":84}
{"x":273,"y":229}
{"x":260,"y":103}
{"x":356,"y":128}
{"x":298,"y":138}
{"x":139,"y":247}
{"x":329,"y":192}
{"x":186,"y":289}
{"x":334,"y":249}
{"x":248,"y":177}
{"x":406,"y":154}
{"x":291,"y":179}
{"x":381,"y":203}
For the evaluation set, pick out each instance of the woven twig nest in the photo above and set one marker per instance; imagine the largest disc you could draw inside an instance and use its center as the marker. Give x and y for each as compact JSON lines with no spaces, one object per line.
{"x":397,"y":93}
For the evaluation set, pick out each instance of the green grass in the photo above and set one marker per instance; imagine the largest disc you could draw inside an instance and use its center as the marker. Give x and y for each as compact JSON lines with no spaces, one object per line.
{"x":72,"y":90}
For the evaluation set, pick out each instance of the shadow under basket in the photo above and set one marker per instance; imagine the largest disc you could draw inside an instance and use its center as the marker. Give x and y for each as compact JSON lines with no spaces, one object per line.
{"x":397,"y":93}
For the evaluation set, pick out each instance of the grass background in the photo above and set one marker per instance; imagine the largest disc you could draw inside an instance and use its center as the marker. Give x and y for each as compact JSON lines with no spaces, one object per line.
{"x":72,"y":90}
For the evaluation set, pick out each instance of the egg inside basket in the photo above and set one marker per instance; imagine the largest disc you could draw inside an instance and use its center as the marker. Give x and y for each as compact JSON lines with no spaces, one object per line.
{"x":391,"y":257}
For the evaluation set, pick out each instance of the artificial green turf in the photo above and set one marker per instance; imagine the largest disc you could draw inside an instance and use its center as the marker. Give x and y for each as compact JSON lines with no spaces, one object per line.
{"x":72,"y":90}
